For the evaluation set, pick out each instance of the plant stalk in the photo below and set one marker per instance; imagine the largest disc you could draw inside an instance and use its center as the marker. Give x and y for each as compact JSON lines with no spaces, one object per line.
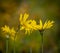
{"x":41,"y":32}
{"x":14,"y":43}
{"x":15,"y":37}
{"x":42,"y":42}
{"x":7,"y":44}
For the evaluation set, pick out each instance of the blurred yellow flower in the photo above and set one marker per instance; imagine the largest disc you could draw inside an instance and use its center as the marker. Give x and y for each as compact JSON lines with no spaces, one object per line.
{"x":25,"y":24}
{"x":6,"y":29}
{"x":12,"y":31}
{"x":48,"y":24}
{"x":30,"y":25}
{"x":34,"y":25}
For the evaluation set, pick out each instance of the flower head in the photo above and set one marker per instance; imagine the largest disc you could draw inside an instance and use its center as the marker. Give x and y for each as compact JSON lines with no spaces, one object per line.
{"x":26,"y":24}
{"x":6,"y":29}
{"x":48,"y":24}
{"x":12,"y":31}
{"x":34,"y":25}
{"x":30,"y":25}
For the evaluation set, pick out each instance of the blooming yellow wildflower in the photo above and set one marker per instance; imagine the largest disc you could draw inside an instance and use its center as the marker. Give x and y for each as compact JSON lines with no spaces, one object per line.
{"x":25,"y":24}
{"x":12,"y":31}
{"x":47,"y":24}
{"x":34,"y":25}
{"x":6,"y":29}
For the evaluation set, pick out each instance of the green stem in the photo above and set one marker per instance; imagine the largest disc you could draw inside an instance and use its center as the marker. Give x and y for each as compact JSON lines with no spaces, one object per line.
{"x":7,"y":42}
{"x":14,"y":43}
{"x":15,"y":37}
{"x":41,"y":32}
{"x":42,"y":43}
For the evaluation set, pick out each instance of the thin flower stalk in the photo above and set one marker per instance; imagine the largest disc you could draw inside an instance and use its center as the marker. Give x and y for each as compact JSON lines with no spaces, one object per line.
{"x":7,"y":43}
{"x":15,"y":38}
{"x":42,"y":38}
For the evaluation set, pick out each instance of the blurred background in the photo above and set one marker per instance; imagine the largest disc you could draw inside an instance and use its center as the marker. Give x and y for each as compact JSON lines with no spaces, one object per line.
{"x":37,"y":9}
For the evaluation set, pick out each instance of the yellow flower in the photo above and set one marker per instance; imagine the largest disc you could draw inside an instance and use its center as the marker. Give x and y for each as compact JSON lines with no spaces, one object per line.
{"x":26,"y":27}
{"x":48,"y":24}
{"x":6,"y":29}
{"x":25,"y":24}
{"x":23,"y":19}
{"x":34,"y":25}
{"x":30,"y":25}
{"x":12,"y":31}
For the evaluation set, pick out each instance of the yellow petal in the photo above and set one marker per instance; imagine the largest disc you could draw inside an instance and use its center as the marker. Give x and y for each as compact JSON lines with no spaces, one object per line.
{"x":41,"y":25}
{"x":34,"y":22}
{"x":6,"y":29}
{"x":21,"y":28}
{"x":25,"y":17}
{"x":45,"y":25}
{"x":50,"y":24}
{"x":20,"y":19}
{"x":29,"y":32}
{"x":12,"y":31}
{"x":26,"y":31}
{"x":33,"y":25}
